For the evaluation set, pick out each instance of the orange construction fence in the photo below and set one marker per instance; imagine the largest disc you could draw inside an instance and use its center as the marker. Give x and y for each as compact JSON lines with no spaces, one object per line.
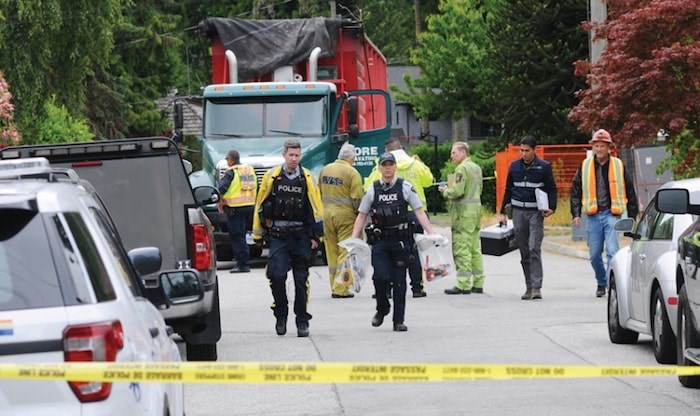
{"x":564,"y":158}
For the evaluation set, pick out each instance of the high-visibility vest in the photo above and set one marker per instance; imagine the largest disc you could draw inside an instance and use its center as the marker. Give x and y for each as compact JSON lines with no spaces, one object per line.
{"x":242,"y":191}
{"x":616,"y":180}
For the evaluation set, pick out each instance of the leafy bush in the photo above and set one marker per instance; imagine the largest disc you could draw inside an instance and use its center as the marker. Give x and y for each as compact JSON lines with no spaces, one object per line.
{"x":60,"y":127}
{"x":481,"y":154}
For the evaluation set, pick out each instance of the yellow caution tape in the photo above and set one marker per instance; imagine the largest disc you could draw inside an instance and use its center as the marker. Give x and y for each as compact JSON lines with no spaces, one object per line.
{"x":306,"y":372}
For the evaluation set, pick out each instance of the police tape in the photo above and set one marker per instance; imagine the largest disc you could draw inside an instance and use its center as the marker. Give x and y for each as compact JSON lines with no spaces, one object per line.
{"x":318,"y":373}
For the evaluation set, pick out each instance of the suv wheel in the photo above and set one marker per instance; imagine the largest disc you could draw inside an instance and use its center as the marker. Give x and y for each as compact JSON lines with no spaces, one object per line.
{"x":663,"y":339}
{"x":201,"y":352}
{"x":687,"y":338}
{"x":617,"y":334}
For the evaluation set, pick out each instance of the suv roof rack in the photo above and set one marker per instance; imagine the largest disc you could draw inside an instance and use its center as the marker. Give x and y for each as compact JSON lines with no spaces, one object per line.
{"x":36,"y":168}
{"x":16,"y":169}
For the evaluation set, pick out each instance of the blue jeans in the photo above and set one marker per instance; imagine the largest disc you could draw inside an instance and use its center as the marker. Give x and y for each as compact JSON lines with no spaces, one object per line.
{"x":601,"y":233}
{"x":239,"y":220}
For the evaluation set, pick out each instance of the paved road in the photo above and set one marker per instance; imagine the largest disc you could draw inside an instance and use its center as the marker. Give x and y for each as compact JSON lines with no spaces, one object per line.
{"x":567,"y":327}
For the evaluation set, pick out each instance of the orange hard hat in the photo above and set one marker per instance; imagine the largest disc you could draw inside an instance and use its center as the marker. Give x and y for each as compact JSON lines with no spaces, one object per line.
{"x":601,"y":136}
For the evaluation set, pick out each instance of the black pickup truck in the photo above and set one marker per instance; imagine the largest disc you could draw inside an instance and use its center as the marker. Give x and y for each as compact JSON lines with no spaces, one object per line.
{"x":681,"y":201}
{"x":143,"y":184}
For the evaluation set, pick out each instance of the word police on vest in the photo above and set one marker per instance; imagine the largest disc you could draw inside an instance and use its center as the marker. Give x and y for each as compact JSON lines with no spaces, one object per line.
{"x":388,"y":197}
{"x":292,"y":189}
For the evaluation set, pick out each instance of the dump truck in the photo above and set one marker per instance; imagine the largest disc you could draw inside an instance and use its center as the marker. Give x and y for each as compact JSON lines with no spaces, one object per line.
{"x":320,"y":81}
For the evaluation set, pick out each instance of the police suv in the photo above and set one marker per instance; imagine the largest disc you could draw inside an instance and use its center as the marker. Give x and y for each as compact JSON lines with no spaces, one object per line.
{"x":69,"y":292}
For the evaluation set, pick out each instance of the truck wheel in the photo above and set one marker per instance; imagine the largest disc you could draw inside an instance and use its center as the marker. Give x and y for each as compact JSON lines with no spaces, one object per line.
{"x":201,"y":352}
{"x":663,"y":339}
{"x":320,"y":256}
{"x":687,"y":338}
{"x":617,"y":334}
{"x":255,"y":251}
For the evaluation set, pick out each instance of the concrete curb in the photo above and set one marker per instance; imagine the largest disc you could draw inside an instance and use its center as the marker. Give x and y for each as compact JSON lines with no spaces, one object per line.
{"x":552,"y":246}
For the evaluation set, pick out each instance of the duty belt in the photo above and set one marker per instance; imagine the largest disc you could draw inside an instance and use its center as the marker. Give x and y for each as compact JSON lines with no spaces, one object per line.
{"x":284,"y":232}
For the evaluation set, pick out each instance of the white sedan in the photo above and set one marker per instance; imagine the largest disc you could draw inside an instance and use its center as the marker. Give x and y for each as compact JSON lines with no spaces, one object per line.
{"x":642,"y":294}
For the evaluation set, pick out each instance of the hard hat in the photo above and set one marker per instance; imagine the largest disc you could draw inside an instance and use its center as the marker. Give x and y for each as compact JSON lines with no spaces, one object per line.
{"x":601,"y":136}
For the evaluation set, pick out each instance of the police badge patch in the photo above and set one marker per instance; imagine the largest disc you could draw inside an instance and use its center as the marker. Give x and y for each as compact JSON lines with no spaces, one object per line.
{"x":459,"y":177}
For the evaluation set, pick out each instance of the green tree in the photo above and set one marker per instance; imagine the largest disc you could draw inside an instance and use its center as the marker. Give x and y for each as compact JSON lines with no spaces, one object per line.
{"x":451,"y":58}
{"x":648,"y":77}
{"x":56,"y":46}
{"x":534,"y":44}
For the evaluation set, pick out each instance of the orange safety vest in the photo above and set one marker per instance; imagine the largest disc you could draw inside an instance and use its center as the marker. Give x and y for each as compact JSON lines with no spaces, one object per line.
{"x":616,"y":180}
{"x":242,"y":191}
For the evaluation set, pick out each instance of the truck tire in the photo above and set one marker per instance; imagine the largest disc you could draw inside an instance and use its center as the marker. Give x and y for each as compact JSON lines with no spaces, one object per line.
{"x":201,"y":352}
{"x":319,"y":257}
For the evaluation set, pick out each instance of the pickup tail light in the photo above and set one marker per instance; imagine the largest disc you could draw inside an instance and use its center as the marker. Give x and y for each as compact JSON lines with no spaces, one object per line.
{"x":201,"y":247}
{"x":92,"y":343}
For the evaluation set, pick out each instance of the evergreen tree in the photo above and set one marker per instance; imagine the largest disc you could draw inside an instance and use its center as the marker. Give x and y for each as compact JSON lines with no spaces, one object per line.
{"x":534,"y":44}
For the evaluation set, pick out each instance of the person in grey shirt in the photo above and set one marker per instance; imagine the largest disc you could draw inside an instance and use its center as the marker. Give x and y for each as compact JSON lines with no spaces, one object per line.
{"x":390,"y":235}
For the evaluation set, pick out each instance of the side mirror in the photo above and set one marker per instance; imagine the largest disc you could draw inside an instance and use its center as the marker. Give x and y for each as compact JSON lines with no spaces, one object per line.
{"x":146,"y":260}
{"x":205,"y":195}
{"x":351,"y":113}
{"x":624,"y":225}
{"x":672,"y":201}
{"x":178,"y":120}
{"x":181,"y":286}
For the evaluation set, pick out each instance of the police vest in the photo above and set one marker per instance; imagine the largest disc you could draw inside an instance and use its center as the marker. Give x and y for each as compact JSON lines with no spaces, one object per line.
{"x":389,"y":209}
{"x":616,"y":182}
{"x":289,"y":199}
{"x":241,"y":192}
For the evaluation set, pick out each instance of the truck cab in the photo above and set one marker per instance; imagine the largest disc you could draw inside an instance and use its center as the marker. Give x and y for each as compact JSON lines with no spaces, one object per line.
{"x":324,"y":87}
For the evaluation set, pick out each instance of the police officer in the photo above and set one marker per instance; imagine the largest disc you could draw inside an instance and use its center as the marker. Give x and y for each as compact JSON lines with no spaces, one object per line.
{"x":412,"y":169}
{"x":288,"y":209}
{"x":464,"y":205}
{"x":340,"y":185}
{"x":390,"y":235}
{"x":238,"y":187}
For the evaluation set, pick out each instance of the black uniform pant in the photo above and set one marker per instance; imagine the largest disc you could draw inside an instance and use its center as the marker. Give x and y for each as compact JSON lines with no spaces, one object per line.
{"x":289,"y":252}
{"x":389,"y":259}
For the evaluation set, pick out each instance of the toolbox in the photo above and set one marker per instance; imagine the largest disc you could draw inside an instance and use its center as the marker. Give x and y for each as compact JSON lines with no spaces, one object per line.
{"x":498,"y":239}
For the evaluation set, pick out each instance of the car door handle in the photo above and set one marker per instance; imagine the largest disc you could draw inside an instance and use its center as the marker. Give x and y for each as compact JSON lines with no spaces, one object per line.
{"x":154,"y":332}
{"x":642,"y":257}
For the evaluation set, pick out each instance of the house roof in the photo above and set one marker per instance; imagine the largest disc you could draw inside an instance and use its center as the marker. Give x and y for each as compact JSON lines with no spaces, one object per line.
{"x":191,"y":112}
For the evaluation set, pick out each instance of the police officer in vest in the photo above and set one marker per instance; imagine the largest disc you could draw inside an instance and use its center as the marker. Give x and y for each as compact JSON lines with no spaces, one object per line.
{"x":289,"y":211}
{"x":390,"y":235}
{"x":238,"y":187}
{"x":603,"y":190}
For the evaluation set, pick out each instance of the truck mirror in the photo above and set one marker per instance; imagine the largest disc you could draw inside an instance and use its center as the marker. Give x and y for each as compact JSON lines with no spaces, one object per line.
{"x":351,"y":112}
{"x":177,"y":116}
{"x":181,"y":286}
{"x":205,"y":195}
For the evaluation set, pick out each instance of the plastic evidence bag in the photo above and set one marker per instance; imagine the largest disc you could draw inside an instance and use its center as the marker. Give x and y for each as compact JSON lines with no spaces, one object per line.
{"x":357,"y":265}
{"x":435,"y":253}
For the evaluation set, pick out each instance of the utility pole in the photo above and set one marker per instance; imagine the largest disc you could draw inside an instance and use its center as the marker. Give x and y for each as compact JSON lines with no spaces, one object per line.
{"x":598,"y":13}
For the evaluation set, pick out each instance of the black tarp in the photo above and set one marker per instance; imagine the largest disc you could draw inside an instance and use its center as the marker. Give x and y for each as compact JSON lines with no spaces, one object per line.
{"x":261,"y":46}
